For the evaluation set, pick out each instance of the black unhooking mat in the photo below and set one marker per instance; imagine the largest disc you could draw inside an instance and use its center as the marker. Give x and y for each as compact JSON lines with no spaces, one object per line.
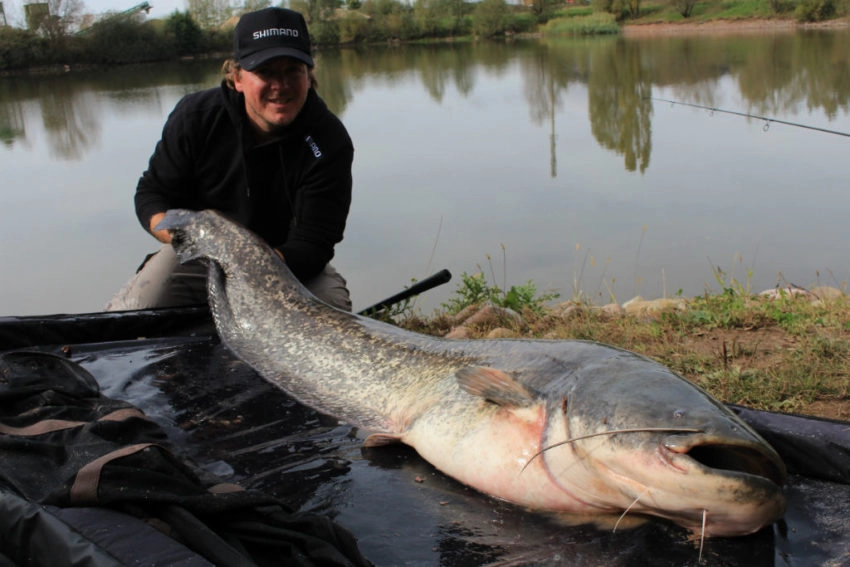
{"x":224,"y":418}
{"x":89,"y":480}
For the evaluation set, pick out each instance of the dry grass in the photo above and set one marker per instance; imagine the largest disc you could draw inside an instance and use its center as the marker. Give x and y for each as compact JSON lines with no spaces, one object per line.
{"x":790,"y":353}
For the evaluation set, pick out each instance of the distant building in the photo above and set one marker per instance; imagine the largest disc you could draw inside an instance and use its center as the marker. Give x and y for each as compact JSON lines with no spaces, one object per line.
{"x":36,"y":13}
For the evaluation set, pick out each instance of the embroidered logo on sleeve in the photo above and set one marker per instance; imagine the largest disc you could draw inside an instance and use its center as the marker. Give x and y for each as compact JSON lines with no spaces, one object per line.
{"x":313,"y":147}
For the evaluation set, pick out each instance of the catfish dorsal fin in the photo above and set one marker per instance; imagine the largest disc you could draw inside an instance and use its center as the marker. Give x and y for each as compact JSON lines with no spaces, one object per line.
{"x":495,"y":385}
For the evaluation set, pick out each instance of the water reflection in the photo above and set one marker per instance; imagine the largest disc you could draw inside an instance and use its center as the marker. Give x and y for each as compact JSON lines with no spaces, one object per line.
{"x":12,"y":123}
{"x":70,"y":107}
{"x":620,"y":106}
{"x":776,"y":74}
{"x":69,"y":119}
{"x":463,"y":148}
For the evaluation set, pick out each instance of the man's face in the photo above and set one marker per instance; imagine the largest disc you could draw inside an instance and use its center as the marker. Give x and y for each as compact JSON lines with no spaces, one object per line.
{"x":274,"y":92}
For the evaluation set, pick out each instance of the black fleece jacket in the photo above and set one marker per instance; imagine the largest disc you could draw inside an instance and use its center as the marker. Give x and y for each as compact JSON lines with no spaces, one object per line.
{"x":295,"y":192}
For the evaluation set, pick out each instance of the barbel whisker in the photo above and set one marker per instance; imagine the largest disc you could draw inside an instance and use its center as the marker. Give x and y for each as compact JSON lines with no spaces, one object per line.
{"x":626,"y":511}
{"x":611,"y":432}
{"x":702,"y":535}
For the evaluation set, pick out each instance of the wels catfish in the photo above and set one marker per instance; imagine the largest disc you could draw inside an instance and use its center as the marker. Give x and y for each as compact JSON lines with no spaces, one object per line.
{"x":563,"y":426}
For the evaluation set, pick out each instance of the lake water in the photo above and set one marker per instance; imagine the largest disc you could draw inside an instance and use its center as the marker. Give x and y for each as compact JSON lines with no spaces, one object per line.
{"x":554,"y":161}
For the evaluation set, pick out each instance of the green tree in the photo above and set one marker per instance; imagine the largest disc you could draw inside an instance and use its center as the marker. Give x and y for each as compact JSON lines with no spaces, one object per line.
{"x":541,"y":7}
{"x":685,"y":7}
{"x":353,"y":26}
{"x":315,"y":11}
{"x":188,"y":37}
{"x":122,"y":40}
{"x":20,"y":48}
{"x":209,"y":14}
{"x":427,"y":15}
{"x":814,"y":10}
{"x":254,"y":5}
{"x":633,"y":8}
{"x":390,"y":19}
{"x":620,"y":8}
{"x":489,"y":18}
{"x":456,"y":9}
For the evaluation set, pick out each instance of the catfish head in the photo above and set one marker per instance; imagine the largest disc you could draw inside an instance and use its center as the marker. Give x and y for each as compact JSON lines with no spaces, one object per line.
{"x":631,"y":435}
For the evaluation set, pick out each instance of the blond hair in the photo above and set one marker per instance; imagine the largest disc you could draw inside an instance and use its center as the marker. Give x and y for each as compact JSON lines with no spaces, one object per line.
{"x":230,"y":68}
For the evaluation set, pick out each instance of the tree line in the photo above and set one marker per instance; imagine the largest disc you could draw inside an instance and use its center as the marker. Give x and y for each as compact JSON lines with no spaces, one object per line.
{"x":61,"y":35}
{"x":65,"y":38}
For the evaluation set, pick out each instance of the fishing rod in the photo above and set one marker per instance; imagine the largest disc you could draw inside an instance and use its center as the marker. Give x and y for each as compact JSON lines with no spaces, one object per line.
{"x":767,"y":119}
{"x":432,"y":281}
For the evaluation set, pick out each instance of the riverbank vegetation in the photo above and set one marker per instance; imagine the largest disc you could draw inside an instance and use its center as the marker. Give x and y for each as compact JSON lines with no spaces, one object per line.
{"x":786,"y":350}
{"x":66,"y":37}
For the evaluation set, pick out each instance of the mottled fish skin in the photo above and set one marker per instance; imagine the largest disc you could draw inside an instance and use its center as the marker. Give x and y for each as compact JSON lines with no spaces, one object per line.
{"x":481,"y":410}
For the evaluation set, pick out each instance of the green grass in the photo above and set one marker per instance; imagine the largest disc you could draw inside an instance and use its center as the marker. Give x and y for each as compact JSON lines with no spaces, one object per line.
{"x":590,"y":24}
{"x":787,"y":354}
{"x":705,"y":11}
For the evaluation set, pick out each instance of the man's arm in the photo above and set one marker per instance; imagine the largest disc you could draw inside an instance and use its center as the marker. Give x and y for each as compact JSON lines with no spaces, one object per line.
{"x":162,"y":235}
{"x":164,"y":184}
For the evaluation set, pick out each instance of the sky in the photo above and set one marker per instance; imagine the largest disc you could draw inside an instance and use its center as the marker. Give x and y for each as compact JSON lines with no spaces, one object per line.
{"x":160,"y":8}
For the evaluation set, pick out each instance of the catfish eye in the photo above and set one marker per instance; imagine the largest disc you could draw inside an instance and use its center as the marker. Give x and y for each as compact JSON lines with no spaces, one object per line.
{"x":678,"y":414}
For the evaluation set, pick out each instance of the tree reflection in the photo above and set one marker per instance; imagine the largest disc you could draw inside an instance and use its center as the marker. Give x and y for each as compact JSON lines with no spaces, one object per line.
{"x":12,"y":125}
{"x":334,"y":80}
{"x":778,"y":73}
{"x":71,"y":115}
{"x":543,"y":96}
{"x":547,"y":74}
{"x":69,"y":120}
{"x":808,"y":70}
{"x":619,"y":92}
{"x":775,"y":74}
{"x":12,"y":122}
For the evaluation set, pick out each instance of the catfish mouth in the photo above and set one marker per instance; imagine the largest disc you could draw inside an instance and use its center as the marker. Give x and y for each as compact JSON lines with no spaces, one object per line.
{"x":741,"y":483}
{"x":739,"y":459}
{"x":733,"y":459}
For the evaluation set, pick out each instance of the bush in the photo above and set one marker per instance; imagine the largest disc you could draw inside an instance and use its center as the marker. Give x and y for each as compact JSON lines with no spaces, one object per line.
{"x":619,"y":8}
{"x":122,"y":41}
{"x":814,"y":10}
{"x":21,"y":48}
{"x":519,"y":22}
{"x":325,"y":33}
{"x":474,"y":290}
{"x":686,"y":7}
{"x":353,"y":27}
{"x":600,"y":23}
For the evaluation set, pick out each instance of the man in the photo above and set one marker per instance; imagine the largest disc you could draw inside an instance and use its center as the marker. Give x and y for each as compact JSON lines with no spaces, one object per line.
{"x":262,"y":148}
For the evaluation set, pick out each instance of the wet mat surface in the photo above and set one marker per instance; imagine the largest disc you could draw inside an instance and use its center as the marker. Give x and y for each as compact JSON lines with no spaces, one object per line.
{"x":222,"y":415}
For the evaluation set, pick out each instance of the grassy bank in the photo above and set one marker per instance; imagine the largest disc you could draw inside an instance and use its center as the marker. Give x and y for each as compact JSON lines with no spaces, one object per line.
{"x":731,"y":15}
{"x":789,"y":351}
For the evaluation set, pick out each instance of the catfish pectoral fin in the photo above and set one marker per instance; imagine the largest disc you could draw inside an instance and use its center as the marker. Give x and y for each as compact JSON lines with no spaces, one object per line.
{"x":494,"y":385}
{"x":381,"y":439}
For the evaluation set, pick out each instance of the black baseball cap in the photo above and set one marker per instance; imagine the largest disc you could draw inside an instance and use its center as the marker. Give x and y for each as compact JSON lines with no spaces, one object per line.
{"x":269,"y":33}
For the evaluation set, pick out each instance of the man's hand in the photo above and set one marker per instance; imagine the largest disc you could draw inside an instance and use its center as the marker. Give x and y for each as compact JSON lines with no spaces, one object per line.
{"x":161,"y":235}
